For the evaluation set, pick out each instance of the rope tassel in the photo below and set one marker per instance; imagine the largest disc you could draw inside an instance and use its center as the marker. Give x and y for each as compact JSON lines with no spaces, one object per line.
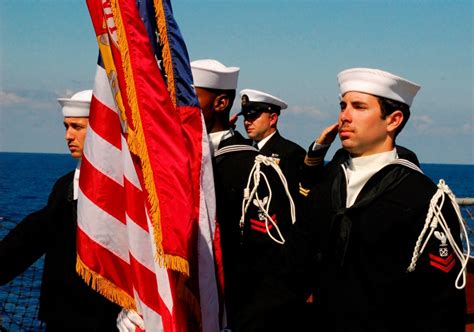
{"x":256,"y":174}
{"x":435,"y":218}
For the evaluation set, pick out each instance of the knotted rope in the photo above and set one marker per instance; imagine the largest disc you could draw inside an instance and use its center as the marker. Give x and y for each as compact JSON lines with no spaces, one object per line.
{"x":434,"y":218}
{"x":256,"y":174}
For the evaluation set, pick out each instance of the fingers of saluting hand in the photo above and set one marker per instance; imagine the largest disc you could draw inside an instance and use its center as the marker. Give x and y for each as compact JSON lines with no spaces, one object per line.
{"x":328,"y":134}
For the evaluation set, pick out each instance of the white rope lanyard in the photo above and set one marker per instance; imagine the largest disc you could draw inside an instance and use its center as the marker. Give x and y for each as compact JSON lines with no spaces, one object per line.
{"x":434,"y":218}
{"x":256,"y":175}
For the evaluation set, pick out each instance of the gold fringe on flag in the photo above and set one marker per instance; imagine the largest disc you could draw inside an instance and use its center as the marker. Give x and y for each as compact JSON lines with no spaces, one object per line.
{"x":137,"y":145}
{"x":104,"y":286}
{"x":166,"y":50}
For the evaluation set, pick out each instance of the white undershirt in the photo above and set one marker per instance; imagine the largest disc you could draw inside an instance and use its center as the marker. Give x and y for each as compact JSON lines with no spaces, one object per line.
{"x":361,"y":169}
{"x":75,"y":181}
{"x":263,"y":141}
{"x":216,"y":138}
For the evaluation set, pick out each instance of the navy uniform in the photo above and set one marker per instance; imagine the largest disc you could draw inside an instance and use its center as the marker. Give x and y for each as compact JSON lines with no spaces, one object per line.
{"x":248,"y":253}
{"x":382,"y":254}
{"x":363,"y":244}
{"x":67,"y":303}
{"x":367,"y":248}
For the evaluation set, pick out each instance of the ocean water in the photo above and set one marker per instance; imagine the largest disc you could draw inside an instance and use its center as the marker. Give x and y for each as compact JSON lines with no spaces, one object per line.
{"x":26,"y":180}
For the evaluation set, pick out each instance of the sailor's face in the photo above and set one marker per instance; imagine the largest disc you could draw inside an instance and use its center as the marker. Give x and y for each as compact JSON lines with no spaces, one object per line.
{"x":75,"y":135}
{"x":361,"y":128}
{"x":260,"y":126}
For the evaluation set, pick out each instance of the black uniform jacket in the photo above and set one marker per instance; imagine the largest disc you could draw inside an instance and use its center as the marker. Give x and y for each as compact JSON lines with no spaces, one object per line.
{"x":66,"y":302}
{"x":291,"y":157}
{"x":246,"y":251}
{"x":354,"y":260}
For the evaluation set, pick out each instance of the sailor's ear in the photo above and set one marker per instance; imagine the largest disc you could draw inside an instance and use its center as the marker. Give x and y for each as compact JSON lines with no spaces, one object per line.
{"x":221,"y":102}
{"x":394,"y":120}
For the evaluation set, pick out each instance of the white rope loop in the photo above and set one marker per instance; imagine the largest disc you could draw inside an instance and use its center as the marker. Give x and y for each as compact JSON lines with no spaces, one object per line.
{"x":256,"y":174}
{"x":435,"y":218}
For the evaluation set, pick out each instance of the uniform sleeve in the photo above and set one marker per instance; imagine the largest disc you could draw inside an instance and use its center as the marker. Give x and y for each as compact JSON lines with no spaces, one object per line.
{"x":442,"y":306}
{"x":29,"y":240}
{"x":292,"y":166}
{"x":23,"y":245}
{"x":312,"y":169}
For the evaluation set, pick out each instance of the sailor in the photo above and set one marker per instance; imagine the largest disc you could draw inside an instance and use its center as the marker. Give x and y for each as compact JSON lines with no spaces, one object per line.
{"x":67,"y":303}
{"x":215,"y":86}
{"x":378,"y":240}
{"x":261,"y":112}
{"x":247,"y":243}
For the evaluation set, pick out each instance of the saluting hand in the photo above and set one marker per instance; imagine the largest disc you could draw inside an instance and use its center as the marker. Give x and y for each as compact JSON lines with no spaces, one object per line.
{"x":328,"y":134}
{"x":233,"y":120}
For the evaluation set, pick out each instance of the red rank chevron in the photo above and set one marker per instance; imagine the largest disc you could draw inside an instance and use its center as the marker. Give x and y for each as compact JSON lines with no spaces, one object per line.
{"x":259,"y":225}
{"x":444,"y":264}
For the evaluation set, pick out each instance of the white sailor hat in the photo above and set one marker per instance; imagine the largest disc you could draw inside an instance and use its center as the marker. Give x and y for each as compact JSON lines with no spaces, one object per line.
{"x":78,"y":105}
{"x":211,"y":74}
{"x":379,"y":83}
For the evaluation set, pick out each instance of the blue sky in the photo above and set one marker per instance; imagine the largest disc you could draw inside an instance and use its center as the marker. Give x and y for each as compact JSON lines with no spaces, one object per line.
{"x":292,"y":49}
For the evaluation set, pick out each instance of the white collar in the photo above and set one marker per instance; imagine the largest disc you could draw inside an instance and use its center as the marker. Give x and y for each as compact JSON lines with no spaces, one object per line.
{"x":75,"y":182}
{"x":217,"y":137}
{"x":372,"y":162}
{"x":361,"y":169}
{"x":265,"y":140}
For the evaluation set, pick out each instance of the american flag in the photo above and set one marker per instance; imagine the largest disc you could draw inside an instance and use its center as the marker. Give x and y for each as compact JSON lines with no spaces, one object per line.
{"x":147,"y":237}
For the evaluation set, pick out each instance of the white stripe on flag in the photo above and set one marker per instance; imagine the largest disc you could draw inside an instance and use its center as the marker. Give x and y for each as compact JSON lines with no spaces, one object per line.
{"x":209,"y":299}
{"x":129,"y":168}
{"x":102,"y":90}
{"x":105,"y":157}
{"x":162,"y":279}
{"x":140,"y":244}
{"x":102,"y":227}
{"x":151,"y":317}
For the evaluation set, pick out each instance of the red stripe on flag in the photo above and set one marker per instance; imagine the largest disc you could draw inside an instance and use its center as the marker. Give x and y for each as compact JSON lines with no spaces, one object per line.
{"x":146,"y":287}
{"x":105,"y":123}
{"x":102,"y":261}
{"x":98,"y":188}
{"x":135,"y":205}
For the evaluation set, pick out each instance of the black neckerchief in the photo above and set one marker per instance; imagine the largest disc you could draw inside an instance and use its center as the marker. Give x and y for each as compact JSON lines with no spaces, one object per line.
{"x":388,"y":178}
